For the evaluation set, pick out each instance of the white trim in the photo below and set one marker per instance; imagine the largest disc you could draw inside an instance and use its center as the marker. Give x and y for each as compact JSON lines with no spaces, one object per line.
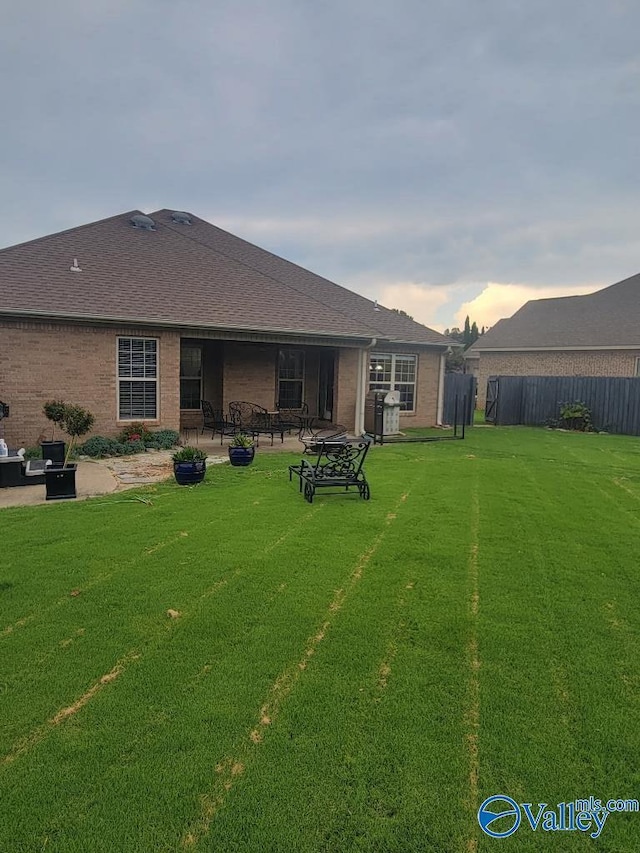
{"x":156,"y":379}
{"x":227,"y":332}
{"x":393,"y":383}
{"x":440,"y":408}
{"x":361,"y":384}
{"x":478,"y":353}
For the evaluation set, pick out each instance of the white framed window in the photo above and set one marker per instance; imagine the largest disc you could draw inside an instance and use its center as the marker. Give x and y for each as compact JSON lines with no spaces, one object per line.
{"x":290,"y":378}
{"x":637,"y":373}
{"x":137,"y":379}
{"x":394,"y":372}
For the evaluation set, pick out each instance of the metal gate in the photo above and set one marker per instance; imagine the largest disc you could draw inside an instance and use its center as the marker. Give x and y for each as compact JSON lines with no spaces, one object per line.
{"x":491,"y":404}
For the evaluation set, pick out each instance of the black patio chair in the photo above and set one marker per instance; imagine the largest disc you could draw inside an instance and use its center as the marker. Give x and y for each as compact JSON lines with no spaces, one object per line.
{"x":216,"y":421}
{"x":294,"y":419}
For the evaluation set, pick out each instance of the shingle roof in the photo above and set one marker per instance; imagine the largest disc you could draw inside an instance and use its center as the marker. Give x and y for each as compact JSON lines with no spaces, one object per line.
{"x":606,"y":318}
{"x":191,"y":275}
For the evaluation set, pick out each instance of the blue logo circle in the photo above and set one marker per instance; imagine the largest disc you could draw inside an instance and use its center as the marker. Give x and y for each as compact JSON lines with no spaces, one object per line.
{"x":487,"y":815}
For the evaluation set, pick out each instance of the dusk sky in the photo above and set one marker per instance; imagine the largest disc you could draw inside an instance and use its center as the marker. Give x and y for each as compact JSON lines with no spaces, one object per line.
{"x":443,"y":157}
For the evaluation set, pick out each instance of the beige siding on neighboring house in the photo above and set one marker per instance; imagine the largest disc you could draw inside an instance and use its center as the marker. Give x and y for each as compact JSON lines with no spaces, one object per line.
{"x":555,"y":363}
{"x":40,"y":361}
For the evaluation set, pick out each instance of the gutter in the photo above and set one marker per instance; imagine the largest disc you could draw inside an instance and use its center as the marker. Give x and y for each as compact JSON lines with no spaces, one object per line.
{"x":441,"y":375}
{"x":57,"y":316}
{"x":599,"y":348}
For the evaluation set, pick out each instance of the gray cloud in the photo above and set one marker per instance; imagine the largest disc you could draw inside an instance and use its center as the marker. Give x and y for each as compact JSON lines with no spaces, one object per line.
{"x":438,"y":143}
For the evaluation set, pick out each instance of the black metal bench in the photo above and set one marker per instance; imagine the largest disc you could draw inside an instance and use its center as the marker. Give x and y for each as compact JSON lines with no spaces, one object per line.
{"x":337,"y":466}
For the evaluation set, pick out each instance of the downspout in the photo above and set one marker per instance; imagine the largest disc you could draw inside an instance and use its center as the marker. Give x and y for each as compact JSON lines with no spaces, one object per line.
{"x":361,"y":384}
{"x":440,"y":410}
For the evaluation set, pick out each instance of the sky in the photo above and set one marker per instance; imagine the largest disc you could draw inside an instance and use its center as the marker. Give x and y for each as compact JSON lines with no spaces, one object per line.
{"x":447,"y":158}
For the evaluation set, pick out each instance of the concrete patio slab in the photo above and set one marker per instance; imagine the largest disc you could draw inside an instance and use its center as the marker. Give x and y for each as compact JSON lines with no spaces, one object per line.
{"x":103,"y":476}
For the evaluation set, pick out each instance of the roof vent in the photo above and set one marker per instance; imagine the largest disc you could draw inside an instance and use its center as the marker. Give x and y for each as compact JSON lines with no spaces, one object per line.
{"x":180,"y":217}
{"x":75,"y":267}
{"x":142,"y":221}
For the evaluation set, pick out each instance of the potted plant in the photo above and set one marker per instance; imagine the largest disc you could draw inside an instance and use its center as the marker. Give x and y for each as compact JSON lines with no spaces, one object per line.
{"x":54,"y":450}
{"x":576,"y":416}
{"x":241,"y":449}
{"x":60,"y":482}
{"x":189,"y":465}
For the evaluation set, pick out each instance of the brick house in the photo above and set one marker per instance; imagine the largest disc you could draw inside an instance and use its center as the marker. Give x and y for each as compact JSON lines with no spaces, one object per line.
{"x":593,"y":335}
{"x":138,"y":318}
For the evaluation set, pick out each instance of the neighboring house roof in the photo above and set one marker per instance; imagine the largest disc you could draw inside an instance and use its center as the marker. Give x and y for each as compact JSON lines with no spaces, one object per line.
{"x":186,"y":275}
{"x":606,"y":319}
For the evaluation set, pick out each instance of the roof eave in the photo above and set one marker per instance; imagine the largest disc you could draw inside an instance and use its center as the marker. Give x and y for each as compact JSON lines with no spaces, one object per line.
{"x":79,"y":317}
{"x":581,"y":348}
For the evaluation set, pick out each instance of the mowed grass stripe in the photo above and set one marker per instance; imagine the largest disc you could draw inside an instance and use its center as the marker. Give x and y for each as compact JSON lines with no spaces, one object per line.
{"x":473,"y":709}
{"x":369,"y":751}
{"x":249,"y":608}
{"x":538,"y":647}
{"x":378,"y":714}
{"x":79,"y":568}
{"x":136,"y":604}
{"x":230,"y":768}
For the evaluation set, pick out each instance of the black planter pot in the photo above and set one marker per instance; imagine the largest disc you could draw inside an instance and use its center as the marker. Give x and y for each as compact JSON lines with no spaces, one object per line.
{"x":188,"y":473}
{"x":241,"y":455}
{"x":54,"y":450}
{"x":60,"y":483}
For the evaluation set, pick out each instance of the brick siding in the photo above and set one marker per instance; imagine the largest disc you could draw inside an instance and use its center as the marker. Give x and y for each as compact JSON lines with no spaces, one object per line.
{"x":42,"y":361}
{"x":554,"y":363}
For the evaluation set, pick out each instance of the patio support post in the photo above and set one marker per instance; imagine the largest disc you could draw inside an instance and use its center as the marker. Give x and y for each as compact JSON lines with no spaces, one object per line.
{"x":361,"y":387}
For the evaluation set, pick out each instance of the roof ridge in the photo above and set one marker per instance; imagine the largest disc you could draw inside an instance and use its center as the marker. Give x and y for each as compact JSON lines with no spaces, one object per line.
{"x":374,"y":332}
{"x":69,"y":230}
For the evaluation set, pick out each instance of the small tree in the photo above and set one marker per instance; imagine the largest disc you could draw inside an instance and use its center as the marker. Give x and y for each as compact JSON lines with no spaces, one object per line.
{"x":76,"y":422}
{"x":54,"y":411}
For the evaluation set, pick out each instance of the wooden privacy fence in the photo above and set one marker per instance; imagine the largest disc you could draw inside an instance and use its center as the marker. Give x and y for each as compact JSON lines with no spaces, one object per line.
{"x":460,"y":387}
{"x":535,"y":400}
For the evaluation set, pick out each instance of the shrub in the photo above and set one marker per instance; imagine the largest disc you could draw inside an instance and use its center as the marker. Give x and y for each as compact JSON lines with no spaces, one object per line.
{"x":33,"y":453}
{"x":135,"y":445}
{"x":98,"y":446}
{"x":163,"y":439}
{"x":135,"y":431}
{"x":122,"y":448}
{"x":576,"y":416}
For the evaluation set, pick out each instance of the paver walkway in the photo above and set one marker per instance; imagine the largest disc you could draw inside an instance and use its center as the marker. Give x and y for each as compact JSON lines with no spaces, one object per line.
{"x":102,"y":476}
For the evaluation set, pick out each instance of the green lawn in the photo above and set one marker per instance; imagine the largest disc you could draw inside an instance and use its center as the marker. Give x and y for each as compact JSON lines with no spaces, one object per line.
{"x":345,"y":676}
